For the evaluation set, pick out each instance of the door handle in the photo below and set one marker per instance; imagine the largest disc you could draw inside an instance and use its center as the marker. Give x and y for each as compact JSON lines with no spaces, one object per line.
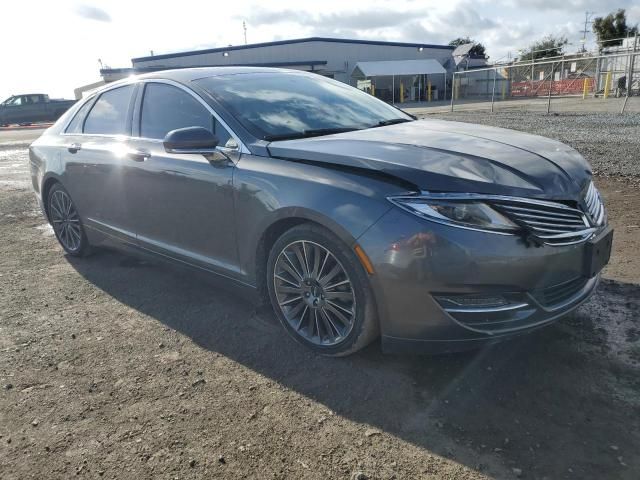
{"x":138,"y":155}
{"x":74,"y":147}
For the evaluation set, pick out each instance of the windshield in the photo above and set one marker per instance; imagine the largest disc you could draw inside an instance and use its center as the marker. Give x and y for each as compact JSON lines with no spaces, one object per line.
{"x":276,"y":106}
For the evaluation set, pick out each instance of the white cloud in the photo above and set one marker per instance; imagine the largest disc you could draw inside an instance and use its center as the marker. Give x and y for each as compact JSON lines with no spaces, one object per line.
{"x":92,"y":13}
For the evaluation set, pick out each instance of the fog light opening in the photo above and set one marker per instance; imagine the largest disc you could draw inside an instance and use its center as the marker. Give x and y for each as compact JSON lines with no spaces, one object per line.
{"x":475,"y":301}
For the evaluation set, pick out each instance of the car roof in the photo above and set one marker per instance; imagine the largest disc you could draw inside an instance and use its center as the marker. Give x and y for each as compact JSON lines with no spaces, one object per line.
{"x":189,"y":74}
{"x":186,"y":75}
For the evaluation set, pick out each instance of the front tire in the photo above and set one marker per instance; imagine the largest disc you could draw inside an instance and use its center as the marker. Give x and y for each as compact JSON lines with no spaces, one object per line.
{"x":66,"y":222}
{"x":320,"y":292}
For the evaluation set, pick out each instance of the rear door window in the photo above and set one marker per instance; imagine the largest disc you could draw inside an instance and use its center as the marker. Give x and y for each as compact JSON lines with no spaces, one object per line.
{"x":75,"y":126}
{"x":110,"y":113}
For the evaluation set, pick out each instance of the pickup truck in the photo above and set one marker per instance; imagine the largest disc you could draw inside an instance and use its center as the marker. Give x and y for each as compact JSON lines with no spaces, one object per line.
{"x":32,"y":108}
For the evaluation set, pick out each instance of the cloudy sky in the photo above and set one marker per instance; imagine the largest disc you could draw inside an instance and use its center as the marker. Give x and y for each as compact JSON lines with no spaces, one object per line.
{"x":53,"y":46}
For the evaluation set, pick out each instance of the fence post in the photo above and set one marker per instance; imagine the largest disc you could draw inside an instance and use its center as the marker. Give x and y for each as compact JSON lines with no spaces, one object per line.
{"x":553,"y":66}
{"x":632,"y":58}
{"x":453,"y":89}
{"x":533,"y":61}
{"x":607,"y":85}
{"x":596,"y":86}
{"x":493,"y":92}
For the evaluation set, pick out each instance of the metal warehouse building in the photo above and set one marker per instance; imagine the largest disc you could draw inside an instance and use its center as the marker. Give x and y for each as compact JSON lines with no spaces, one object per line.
{"x":393,"y":71}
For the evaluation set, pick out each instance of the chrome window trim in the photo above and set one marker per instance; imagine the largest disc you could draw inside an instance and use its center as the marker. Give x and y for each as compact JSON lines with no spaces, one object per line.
{"x":586,"y":234}
{"x":242,"y":148}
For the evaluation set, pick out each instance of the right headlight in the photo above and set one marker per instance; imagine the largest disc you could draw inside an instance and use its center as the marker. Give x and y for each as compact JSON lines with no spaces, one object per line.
{"x":459,"y":213}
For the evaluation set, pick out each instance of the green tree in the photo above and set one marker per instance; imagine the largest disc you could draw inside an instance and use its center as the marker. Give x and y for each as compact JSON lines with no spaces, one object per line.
{"x":611,"y":29}
{"x":477,"y":49}
{"x":549,"y":46}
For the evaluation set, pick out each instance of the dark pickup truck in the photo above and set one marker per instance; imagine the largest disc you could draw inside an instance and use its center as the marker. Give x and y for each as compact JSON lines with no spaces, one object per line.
{"x":32,"y":108}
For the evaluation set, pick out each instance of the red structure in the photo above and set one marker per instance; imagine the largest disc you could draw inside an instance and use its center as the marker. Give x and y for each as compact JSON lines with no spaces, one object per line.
{"x":540,"y":88}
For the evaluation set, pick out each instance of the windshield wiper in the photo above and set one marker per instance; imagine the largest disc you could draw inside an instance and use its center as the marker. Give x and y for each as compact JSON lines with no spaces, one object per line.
{"x":308,"y":133}
{"x":393,"y":121}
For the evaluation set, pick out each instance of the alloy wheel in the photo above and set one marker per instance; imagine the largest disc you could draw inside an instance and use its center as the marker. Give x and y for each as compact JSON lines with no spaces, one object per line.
{"x":314,"y":293}
{"x":65,"y":221}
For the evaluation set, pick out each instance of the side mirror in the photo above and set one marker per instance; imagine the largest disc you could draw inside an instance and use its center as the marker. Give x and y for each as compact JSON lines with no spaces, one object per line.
{"x":196,"y":140}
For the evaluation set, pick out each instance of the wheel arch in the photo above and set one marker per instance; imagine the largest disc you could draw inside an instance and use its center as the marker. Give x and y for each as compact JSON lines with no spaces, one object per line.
{"x":279,"y":223}
{"x":48,"y":181}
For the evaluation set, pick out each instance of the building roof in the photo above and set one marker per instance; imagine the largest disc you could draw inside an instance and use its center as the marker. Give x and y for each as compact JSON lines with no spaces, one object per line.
{"x":156,"y":68}
{"x":398,"y":67}
{"x":288,"y":42}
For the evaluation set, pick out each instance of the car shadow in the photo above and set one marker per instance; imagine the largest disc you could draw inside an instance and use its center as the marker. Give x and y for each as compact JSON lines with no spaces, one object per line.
{"x":542,"y":403}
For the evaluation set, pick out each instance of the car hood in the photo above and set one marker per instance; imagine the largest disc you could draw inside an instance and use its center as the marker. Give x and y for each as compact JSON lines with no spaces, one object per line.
{"x":443,"y":156}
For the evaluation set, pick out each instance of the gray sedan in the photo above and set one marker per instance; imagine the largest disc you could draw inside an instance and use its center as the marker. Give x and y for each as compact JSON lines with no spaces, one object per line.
{"x":350,"y":217}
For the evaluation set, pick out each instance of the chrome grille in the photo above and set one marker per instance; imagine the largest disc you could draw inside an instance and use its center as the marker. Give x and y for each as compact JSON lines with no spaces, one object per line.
{"x":553,"y":223}
{"x":594,"y":205}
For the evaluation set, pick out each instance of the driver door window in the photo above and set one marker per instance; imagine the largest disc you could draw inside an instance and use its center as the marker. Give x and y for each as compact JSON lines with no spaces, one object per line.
{"x":166,"y":108}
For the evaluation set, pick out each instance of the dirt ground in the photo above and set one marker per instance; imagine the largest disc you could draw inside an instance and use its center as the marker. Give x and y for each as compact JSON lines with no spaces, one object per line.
{"x":112,"y":367}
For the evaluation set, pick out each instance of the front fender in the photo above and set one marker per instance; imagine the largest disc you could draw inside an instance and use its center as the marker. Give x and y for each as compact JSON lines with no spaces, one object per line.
{"x":269,"y":191}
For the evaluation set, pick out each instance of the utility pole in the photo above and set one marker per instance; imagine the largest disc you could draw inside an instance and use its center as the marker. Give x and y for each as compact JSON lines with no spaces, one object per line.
{"x":587,"y":21}
{"x":244,"y":27}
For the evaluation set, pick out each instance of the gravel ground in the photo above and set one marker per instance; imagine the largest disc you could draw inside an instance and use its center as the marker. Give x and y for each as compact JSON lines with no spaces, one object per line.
{"x":112,"y":367}
{"x":611,"y":142}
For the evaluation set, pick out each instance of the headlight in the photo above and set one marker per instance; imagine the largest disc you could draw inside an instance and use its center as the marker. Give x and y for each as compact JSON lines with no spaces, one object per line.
{"x":459,"y":213}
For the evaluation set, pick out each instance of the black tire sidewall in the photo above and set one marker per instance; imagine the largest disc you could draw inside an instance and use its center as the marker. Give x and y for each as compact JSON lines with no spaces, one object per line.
{"x":84,"y":242}
{"x":355,"y":271}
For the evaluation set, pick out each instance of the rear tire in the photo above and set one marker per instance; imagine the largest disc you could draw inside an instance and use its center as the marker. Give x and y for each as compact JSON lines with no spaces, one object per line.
{"x":66,"y":222}
{"x":320,"y":292}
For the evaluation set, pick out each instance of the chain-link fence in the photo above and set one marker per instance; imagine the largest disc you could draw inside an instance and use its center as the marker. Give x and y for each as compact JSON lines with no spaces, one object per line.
{"x":605,"y":83}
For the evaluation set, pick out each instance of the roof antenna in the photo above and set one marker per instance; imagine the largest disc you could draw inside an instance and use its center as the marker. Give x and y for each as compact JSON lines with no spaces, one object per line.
{"x":244,"y":27}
